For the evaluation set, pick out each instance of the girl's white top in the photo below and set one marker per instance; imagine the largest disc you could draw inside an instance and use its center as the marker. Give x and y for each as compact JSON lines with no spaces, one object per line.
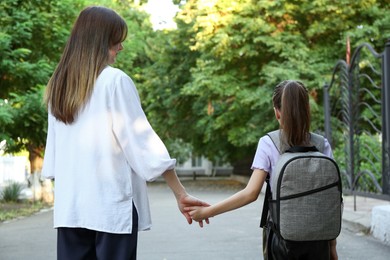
{"x":102,"y":161}
{"x":267,"y":154}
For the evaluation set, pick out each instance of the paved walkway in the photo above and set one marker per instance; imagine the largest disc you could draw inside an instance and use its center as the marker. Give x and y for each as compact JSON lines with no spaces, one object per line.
{"x":231,"y":236}
{"x":359,"y":220}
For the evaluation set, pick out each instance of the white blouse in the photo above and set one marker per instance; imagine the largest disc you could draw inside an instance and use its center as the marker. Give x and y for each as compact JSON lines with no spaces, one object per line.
{"x":101,"y":162}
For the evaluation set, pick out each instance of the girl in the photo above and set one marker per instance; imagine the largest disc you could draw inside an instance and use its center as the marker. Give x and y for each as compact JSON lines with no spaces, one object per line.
{"x":100,"y":147}
{"x":292,"y":110}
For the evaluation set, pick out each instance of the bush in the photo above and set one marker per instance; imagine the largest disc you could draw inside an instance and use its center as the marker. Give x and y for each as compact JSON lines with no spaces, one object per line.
{"x":12,"y":192}
{"x":367,"y":159}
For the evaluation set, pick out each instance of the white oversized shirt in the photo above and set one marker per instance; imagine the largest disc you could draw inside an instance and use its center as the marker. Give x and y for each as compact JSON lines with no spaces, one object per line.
{"x":102,"y":161}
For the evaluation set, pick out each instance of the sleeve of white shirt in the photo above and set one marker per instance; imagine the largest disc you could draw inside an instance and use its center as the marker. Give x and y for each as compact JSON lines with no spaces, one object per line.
{"x":48,"y":162}
{"x":143,"y":148}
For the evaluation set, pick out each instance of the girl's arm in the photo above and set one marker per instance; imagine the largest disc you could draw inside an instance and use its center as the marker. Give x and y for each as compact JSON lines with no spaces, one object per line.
{"x":249,"y":194}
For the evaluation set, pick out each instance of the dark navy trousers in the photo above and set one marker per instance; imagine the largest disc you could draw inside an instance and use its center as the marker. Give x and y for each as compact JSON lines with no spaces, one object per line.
{"x":85,"y":244}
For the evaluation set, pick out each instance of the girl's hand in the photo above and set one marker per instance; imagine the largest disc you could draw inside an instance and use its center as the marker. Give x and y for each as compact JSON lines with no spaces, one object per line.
{"x":198,"y":213}
{"x":188,"y":201}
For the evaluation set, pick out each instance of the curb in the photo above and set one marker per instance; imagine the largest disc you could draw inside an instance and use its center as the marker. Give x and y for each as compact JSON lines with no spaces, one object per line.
{"x":356,"y":223}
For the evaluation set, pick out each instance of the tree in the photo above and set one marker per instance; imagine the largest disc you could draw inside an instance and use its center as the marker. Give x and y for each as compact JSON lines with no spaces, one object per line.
{"x":211,"y":80}
{"x":26,"y":125}
{"x":31,"y":41}
{"x":33,"y":36}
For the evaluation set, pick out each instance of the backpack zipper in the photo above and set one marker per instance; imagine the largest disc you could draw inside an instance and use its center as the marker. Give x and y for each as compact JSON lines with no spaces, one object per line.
{"x":310,"y":191}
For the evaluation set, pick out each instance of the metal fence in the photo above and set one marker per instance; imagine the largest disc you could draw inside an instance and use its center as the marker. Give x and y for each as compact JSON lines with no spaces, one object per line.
{"x":357,"y":121}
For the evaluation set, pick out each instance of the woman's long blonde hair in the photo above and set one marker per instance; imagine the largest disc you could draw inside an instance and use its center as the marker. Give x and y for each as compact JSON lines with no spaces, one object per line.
{"x":86,"y":53}
{"x":291,"y":98}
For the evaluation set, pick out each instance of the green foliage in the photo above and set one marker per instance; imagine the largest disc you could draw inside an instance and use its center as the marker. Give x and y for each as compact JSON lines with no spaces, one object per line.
{"x":132,"y":59}
{"x":5,"y":117}
{"x":180,"y":150}
{"x":368,"y":162}
{"x":206,"y":85}
{"x":11,"y":193}
{"x":26,"y":121}
{"x":211,"y":80}
{"x":33,"y":34}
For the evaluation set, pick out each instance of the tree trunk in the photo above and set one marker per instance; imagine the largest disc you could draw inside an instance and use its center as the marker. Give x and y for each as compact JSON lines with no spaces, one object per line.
{"x":42,"y":189}
{"x":36,"y":158}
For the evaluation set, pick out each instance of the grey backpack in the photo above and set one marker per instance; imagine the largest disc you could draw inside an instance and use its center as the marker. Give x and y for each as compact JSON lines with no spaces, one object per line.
{"x":306,"y":200}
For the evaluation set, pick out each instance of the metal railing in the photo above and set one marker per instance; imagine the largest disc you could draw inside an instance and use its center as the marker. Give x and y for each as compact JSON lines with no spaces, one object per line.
{"x":357,"y":121}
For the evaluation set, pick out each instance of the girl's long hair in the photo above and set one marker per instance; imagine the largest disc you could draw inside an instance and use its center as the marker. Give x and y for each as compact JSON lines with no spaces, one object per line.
{"x":291,"y":98}
{"x":86,"y":53}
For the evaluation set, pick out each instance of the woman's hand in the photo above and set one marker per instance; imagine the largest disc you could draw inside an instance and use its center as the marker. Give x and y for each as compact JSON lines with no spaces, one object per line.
{"x":182,"y":197}
{"x":186,"y":202}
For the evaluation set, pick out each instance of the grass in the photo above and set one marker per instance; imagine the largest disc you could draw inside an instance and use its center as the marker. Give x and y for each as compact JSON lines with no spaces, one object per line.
{"x":12,"y":210}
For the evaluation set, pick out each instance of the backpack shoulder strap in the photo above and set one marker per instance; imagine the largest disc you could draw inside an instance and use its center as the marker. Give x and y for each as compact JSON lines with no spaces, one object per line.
{"x":267,"y":198}
{"x":318,"y":141}
{"x":275,"y":137}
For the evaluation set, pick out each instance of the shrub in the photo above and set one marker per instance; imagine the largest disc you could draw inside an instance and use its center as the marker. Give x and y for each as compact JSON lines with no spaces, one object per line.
{"x":12,"y":192}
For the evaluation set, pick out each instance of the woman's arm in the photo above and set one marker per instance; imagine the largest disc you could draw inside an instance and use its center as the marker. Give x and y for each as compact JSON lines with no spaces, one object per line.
{"x":249,"y":194}
{"x":182,"y":197}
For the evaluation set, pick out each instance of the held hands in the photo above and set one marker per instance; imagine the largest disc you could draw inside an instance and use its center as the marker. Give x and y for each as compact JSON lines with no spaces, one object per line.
{"x":182,"y":197}
{"x":188,"y":202}
{"x":198,"y":213}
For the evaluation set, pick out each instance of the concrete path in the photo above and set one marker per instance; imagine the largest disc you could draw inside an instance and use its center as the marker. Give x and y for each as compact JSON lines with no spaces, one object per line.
{"x":359,"y":219}
{"x":234,"y":235}
{"x":30,"y":238}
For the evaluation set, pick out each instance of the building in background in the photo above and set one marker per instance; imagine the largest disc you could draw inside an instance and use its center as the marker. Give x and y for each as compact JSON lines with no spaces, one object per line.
{"x":201,"y":166}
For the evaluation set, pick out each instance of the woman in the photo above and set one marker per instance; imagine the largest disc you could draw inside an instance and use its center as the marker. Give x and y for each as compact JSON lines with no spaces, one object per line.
{"x":292,"y":110}
{"x":101,"y":149}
